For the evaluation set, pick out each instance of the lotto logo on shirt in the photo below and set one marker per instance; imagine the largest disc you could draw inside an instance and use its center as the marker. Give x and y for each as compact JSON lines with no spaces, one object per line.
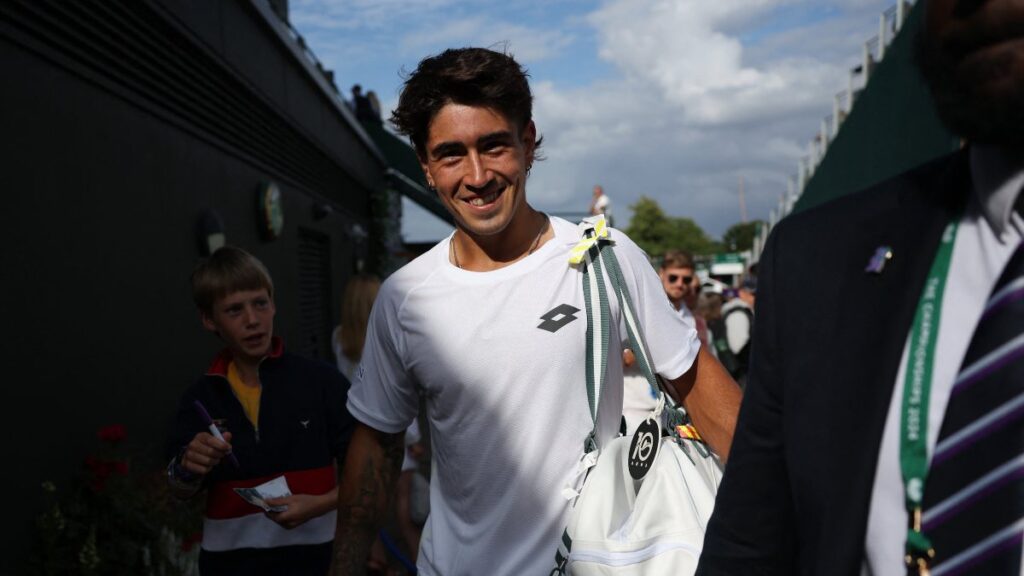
{"x":557,"y":317}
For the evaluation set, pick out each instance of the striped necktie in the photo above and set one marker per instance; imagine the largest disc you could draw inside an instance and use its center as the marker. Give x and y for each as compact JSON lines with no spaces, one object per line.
{"x":974,"y":499}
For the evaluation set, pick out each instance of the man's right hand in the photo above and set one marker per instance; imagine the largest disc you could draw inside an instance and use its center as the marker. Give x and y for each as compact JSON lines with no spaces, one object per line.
{"x":204,"y":452}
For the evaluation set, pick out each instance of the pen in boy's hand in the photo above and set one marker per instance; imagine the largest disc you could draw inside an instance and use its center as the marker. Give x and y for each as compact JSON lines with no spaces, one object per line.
{"x":214,"y":430}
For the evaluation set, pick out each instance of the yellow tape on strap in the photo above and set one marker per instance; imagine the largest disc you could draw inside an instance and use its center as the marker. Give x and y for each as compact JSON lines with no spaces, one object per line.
{"x":579,"y":251}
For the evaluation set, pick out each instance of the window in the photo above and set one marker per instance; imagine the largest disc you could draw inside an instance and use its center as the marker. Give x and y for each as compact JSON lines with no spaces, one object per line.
{"x":314,"y":294}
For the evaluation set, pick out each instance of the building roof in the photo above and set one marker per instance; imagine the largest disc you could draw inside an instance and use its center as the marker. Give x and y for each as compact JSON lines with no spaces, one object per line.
{"x":405,"y":173}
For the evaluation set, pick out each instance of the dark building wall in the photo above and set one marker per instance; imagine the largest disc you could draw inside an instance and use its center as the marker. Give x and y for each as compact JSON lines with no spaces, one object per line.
{"x":248,"y":43}
{"x":109,"y":154}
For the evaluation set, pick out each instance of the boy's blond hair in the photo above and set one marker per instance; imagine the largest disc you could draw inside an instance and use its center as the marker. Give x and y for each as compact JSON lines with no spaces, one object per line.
{"x":226,"y":271}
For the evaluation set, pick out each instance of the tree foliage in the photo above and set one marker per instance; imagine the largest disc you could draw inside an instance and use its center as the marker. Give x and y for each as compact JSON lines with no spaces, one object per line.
{"x":740,"y":237}
{"x":657,"y":232}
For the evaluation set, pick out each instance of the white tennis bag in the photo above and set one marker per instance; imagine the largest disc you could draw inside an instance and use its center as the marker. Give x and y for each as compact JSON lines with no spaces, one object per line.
{"x":646,"y":498}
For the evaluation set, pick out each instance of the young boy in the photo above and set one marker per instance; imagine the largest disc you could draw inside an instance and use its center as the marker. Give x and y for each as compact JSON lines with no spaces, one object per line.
{"x":279,"y":414}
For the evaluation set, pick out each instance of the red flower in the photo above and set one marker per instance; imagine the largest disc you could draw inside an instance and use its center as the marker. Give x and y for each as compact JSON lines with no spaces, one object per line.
{"x":100,"y":470}
{"x":98,"y":467}
{"x":112,"y":433}
{"x":120,"y":468}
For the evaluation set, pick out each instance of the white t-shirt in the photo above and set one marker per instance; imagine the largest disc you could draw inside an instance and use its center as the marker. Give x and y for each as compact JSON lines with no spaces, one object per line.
{"x":737,"y":326}
{"x":499,"y":357}
{"x":603,"y":205}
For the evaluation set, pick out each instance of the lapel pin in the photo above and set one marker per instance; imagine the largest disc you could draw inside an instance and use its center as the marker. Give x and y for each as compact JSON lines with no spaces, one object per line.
{"x":877,"y":262}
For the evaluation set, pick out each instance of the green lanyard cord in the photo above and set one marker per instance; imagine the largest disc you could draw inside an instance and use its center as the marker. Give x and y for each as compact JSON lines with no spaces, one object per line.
{"x":916,"y":393}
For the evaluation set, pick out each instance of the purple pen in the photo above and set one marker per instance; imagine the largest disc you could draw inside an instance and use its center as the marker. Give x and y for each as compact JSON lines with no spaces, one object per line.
{"x":214,"y":430}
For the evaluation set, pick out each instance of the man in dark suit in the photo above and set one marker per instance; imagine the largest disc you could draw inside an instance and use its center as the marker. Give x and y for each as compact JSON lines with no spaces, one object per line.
{"x":840,"y":464}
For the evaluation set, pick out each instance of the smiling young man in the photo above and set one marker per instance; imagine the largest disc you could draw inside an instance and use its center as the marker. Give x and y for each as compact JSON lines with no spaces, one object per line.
{"x":488,"y":328}
{"x":281,"y":415}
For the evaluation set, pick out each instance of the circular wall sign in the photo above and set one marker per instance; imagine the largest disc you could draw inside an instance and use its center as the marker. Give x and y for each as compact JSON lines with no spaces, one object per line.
{"x":271,"y":211}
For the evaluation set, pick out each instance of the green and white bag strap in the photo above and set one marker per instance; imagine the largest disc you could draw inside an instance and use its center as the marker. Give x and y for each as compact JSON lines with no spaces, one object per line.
{"x":675,"y":416}
{"x":628,"y":312}
{"x":587,"y":255}
{"x":595,"y":254}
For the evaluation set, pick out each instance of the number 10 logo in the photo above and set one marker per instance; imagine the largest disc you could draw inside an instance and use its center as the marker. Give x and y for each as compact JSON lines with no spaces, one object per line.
{"x":643,"y":447}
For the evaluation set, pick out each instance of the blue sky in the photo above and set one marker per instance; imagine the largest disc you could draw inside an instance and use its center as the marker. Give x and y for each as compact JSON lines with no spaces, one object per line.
{"x":673,"y":99}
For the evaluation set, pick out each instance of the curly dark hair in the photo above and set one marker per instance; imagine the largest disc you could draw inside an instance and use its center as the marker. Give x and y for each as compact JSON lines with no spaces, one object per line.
{"x":468,"y":76}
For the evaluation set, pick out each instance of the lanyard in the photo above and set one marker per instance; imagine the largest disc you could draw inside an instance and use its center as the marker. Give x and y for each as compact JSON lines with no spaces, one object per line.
{"x":916,"y":393}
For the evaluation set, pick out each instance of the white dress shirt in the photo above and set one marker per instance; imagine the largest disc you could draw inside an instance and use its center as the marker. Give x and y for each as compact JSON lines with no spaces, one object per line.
{"x":988,"y":235}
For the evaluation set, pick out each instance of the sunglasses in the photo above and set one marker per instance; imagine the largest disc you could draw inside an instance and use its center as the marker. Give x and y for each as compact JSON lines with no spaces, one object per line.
{"x":673,"y":278}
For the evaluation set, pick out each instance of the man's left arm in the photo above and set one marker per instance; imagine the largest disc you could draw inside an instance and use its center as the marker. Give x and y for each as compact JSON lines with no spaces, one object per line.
{"x":711,"y":398}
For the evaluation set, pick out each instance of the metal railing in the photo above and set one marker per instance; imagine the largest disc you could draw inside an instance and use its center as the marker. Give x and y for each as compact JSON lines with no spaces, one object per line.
{"x":890,"y":23}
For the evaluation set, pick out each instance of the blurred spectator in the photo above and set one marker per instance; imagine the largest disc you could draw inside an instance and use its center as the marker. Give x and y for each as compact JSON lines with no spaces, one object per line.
{"x":732,"y":332}
{"x":371,"y":97}
{"x":361,"y":105}
{"x":350,"y":334}
{"x":682,"y":286}
{"x":601,"y":204}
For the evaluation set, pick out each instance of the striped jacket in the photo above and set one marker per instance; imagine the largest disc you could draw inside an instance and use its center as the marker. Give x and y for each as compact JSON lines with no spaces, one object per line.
{"x":303,"y":428}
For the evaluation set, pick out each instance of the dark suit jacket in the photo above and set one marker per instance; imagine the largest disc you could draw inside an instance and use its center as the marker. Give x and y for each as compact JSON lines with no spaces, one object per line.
{"x":828,"y":338}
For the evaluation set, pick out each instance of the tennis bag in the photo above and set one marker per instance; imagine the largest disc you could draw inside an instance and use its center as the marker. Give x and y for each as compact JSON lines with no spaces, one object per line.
{"x":646,"y":498}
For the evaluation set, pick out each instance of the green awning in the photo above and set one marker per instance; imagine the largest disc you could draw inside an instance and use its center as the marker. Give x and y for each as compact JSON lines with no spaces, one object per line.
{"x":893,"y":126}
{"x":405,"y":174}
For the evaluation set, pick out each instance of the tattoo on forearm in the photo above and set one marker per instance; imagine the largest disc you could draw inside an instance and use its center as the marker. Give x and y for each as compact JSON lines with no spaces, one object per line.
{"x":394,"y":453}
{"x":363,"y":508}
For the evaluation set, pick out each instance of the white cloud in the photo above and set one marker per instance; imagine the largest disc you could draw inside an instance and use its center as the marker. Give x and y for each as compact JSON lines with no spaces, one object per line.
{"x":681,"y":49}
{"x":695,"y":95}
{"x":693,"y":110}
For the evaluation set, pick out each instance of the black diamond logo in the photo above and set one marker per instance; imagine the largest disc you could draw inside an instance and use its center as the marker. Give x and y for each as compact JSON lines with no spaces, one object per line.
{"x":559,"y":316}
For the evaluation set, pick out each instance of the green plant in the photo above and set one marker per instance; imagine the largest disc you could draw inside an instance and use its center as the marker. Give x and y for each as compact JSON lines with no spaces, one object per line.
{"x":116,"y":517}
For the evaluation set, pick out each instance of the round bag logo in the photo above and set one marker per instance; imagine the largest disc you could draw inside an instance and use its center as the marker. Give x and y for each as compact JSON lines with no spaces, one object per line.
{"x":644,"y":448}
